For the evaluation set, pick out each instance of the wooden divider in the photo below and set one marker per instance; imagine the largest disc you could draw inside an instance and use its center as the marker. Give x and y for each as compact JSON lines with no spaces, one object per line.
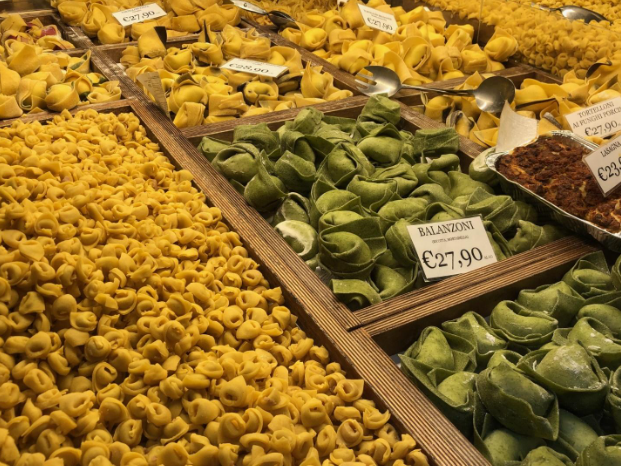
{"x":396,"y":333}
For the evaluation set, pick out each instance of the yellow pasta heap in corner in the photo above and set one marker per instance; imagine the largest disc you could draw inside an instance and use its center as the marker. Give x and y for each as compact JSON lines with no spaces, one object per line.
{"x":135,"y":330}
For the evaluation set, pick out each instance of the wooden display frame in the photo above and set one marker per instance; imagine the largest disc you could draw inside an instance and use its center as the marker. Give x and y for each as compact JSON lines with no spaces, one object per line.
{"x":363,"y":341}
{"x":324,"y":329}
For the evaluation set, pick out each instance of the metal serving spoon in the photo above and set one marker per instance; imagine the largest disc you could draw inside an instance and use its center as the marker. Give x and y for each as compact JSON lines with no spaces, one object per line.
{"x":280,"y":19}
{"x":574,"y":13}
{"x":490,"y":96}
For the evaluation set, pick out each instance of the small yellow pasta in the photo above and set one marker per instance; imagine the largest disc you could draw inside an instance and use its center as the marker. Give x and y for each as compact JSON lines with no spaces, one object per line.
{"x":144,"y":334}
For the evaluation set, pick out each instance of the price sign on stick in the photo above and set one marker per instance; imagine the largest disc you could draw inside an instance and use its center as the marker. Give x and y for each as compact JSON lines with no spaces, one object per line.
{"x":602,"y":119}
{"x":605,"y":164}
{"x":153,"y":83}
{"x":378,"y":19}
{"x":254,"y":67}
{"x":451,"y":247}
{"x":139,"y":14}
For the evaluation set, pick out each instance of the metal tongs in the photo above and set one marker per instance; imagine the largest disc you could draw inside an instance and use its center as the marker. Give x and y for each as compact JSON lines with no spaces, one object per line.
{"x":278,"y":18}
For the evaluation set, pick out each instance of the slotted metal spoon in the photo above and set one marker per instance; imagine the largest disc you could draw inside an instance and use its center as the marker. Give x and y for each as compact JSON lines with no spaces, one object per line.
{"x":280,"y":19}
{"x":490,"y":96}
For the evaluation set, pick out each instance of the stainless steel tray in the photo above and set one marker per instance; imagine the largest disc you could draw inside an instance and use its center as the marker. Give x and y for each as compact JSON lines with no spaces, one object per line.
{"x":571,"y":222}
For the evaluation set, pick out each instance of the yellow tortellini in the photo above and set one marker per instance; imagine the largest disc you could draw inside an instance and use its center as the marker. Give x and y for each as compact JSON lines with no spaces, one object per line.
{"x":546,"y":39}
{"x":134,"y":325}
{"x":547,"y":102}
{"x":184,"y":17}
{"x":17,"y":32}
{"x":422,"y":50}
{"x":199,"y":92}
{"x":33,"y":81}
{"x":293,"y":8}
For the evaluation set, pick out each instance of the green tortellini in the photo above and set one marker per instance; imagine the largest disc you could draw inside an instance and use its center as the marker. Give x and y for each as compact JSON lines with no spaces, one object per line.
{"x":518,"y":402}
{"x":544,"y":456}
{"x":475,"y":329}
{"x":559,"y":301}
{"x":521,"y":326}
{"x":546,"y":370}
{"x":572,"y":373}
{"x":590,"y":276}
{"x":350,"y":249}
{"x":390,"y":178}
{"x":604,"y":451}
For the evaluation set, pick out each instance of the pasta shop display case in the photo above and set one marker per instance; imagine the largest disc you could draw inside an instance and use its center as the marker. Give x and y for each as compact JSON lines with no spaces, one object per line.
{"x":205,"y":265}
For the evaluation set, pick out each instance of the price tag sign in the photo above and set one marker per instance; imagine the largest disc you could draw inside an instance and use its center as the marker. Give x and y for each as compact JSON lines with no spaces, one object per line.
{"x":153,"y":83}
{"x":603,"y":119}
{"x":254,"y":67}
{"x":378,"y":19}
{"x":451,"y":247}
{"x":605,"y":164}
{"x":139,"y":14}
{"x":514,"y":129}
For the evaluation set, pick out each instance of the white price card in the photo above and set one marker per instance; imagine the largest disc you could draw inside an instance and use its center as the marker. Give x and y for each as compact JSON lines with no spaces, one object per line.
{"x":153,"y":83}
{"x":378,"y":19}
{"x":254,"y":67}
{"x":605,"y":164}
{"x":602,"y":119}
{"x":139,"y":14}
{"x":451,"y":247}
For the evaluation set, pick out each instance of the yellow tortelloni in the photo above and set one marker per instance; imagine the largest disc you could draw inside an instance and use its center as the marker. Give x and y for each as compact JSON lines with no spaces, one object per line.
{"x":422,"y":49}
{"x":34,"y":81}
{"x":14,"y":28}
{"x":182,"y":18}
{"x":154,"y":380}
{"x":547,"y":102}
{"x":198,"y":92}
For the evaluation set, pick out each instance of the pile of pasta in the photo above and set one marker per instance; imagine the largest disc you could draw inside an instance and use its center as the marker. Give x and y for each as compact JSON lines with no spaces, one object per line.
{"x":135,"y":329}
{"x":31,"y":82}
{"x":422,"y":50}
{"x":198,"y":91}
{"x":546,"y":39}
{"x":293,"y":8}
{"x":15,"y":32}
{"x":183,"y":17}
{"x":538,"y":383}
{"x":547,"y":102}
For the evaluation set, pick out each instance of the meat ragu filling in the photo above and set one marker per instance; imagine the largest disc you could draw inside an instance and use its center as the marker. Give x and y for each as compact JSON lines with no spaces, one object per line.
{"x":555,"y":171}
